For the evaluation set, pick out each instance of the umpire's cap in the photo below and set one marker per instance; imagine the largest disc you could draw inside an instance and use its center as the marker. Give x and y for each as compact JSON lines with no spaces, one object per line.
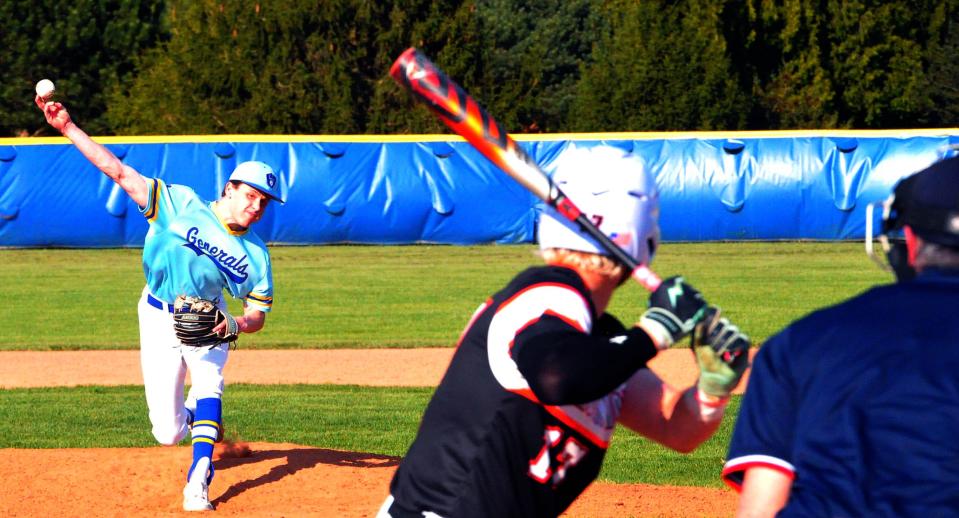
{"x":928,"y":202}
{"x":259,"y":176}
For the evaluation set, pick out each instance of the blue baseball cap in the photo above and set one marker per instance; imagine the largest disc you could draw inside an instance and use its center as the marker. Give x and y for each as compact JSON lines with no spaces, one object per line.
{"x":259,"y":176}
{"x":928,"y":202}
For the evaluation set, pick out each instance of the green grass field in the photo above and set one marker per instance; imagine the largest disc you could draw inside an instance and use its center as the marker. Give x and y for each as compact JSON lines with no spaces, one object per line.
{"x":368,"y":296}
{"x":405,"y":296}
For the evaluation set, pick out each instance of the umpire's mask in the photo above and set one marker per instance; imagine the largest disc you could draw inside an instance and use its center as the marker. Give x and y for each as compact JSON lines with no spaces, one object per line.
{"x":928,"y":203}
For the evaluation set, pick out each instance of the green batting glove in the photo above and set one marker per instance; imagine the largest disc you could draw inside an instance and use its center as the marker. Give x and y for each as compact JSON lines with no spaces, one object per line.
{"x":722,"y":353}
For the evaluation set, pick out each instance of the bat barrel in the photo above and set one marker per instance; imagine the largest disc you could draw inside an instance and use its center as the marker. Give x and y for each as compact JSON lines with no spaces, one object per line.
{"x":465,"y":117}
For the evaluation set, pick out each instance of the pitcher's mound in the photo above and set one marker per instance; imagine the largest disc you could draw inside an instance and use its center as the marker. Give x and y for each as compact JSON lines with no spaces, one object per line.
{"x":271,"y":480}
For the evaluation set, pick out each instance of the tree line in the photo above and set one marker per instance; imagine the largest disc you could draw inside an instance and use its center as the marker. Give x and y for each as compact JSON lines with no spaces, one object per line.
{"x":148,"y":67}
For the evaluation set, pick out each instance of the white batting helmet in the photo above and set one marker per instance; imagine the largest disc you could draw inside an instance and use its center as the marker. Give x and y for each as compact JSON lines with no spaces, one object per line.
{"x":612,"y":188}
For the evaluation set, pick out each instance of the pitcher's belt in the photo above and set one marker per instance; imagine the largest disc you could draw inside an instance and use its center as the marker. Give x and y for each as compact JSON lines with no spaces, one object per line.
{"x":159,"y":304}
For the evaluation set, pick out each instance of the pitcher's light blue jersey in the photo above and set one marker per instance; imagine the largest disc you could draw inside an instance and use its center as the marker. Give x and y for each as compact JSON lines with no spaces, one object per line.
{"x":190,"y":251}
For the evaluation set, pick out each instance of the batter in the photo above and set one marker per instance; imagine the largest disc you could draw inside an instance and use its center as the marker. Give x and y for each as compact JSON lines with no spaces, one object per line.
{"x":521,"y":421}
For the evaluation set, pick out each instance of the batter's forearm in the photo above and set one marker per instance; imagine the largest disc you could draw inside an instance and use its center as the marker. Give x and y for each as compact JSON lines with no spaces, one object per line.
{"x":694,"y":419}
{"x":673,"y":418}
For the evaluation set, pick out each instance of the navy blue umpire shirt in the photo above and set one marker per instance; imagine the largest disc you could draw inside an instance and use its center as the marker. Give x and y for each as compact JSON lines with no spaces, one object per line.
{"x":859,"y":403}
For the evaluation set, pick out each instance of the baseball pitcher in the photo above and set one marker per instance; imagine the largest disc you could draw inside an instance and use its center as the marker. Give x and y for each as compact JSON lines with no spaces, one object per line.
{"x":193,"y":251}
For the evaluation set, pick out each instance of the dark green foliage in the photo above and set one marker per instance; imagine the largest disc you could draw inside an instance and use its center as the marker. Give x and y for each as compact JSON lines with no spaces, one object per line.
{"x":242,"y":67}
{"x":855,"y":64}
{"x":877,"y":61}
{"x":85,"y":46}
{"x":660,"y":66}
{"x":448,"y":31}
{"x":793,"y":86}
{"x":282,"y":67}
{"x":943,"y":75}
{"x":534,"y":54}
{"x":306,"y":67}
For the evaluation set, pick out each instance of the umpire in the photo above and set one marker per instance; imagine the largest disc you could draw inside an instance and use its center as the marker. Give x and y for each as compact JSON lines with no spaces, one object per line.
{"x":854,"y":409}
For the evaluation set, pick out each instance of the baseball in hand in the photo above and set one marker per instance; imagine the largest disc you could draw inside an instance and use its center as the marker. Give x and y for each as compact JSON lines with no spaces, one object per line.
{"x":45,"y":89}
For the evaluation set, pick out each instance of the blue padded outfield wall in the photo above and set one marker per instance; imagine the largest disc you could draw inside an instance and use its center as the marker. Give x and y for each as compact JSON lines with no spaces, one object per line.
{"x":438,"y":189}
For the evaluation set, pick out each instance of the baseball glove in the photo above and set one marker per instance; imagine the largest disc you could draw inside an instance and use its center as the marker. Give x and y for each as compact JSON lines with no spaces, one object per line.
{"x":194,"y":319}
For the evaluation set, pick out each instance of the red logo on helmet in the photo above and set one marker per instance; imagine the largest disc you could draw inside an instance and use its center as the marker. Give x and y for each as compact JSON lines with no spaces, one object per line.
{"x":622,"y":239}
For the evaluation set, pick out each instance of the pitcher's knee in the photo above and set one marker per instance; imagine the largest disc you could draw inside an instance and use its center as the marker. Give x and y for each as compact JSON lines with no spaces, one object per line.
{"x":169,"y":435}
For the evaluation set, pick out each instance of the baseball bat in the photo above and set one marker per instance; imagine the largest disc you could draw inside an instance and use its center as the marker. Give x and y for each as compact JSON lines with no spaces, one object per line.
{"x":465,"y":117}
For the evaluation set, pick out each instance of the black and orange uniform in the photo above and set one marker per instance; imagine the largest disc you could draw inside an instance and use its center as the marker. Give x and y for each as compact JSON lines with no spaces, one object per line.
{"x":520,"y":422}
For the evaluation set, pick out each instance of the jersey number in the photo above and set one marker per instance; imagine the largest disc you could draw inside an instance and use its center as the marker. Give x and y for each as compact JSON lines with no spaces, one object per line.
{"x":552,"y":468}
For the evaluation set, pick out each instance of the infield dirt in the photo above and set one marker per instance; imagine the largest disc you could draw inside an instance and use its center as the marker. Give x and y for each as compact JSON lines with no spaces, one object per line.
{"x":275,"y":479}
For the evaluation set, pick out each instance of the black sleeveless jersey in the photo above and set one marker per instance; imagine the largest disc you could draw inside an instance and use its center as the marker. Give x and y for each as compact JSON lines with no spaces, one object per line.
{"x":520,"y":422}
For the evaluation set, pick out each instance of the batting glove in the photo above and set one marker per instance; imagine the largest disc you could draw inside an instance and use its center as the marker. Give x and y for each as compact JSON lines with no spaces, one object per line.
{"x":722,"y":352}
{"x":674,"y":310}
